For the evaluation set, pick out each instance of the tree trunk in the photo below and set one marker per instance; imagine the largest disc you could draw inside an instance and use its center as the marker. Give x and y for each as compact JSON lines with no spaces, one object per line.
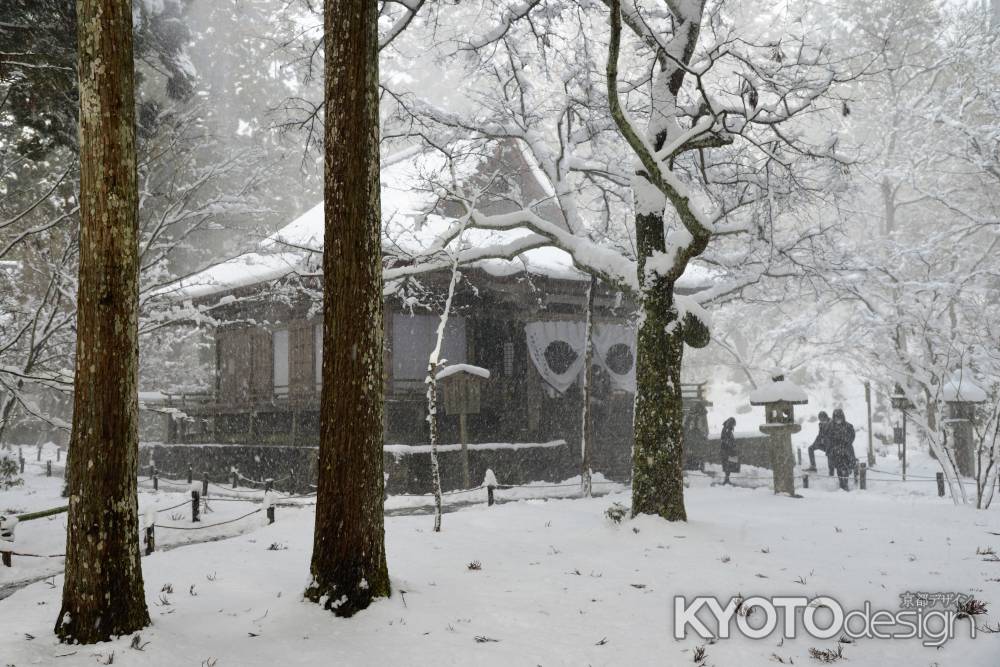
{"x":587,"y":427}
{"x":103,"y":594}
{"x":348,"y":561}
{"x":658,"y":452}
{"x":432,"y":422}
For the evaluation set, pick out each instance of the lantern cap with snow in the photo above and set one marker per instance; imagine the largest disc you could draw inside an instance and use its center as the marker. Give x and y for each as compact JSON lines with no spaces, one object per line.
{"x":778,"y":396}
{"x":899,"y":399}
{"x":962,"y":395}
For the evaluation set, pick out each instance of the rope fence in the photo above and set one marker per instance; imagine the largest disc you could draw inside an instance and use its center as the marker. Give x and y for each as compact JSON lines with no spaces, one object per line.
{"x":270,"y":497}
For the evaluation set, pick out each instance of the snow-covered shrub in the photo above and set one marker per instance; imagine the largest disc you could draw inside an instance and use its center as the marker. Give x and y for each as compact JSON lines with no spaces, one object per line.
{"x":9,"y":471}
{"x":616,"y":513}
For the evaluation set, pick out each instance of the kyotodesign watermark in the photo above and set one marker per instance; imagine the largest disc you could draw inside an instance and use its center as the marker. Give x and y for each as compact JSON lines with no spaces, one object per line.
{"x":933,"y":618}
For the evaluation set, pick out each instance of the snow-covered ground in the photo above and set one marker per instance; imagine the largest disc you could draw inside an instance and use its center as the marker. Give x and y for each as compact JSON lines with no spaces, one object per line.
{"x":558,"y":583}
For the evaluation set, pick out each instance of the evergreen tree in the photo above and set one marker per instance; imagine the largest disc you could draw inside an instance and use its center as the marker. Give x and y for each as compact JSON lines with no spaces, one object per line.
{"x":103,"y":593}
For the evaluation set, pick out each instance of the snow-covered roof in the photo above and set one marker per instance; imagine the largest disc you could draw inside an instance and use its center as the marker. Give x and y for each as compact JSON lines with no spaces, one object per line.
{"x":408,"y":195}
{"x":961,"y":388}
{"x":781,"y":390}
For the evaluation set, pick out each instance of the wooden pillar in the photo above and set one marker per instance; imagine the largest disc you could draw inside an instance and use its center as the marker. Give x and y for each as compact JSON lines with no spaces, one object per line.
{"x":464,"y":436}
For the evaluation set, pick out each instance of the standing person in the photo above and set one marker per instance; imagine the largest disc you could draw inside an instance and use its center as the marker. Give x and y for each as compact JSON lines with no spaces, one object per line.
{"x":822,"y":443}
{"x":730,"y":459}
{"x":842,"y":447}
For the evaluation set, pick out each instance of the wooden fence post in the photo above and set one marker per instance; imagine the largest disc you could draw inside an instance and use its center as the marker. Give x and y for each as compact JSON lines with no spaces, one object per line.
{"x":863,"y":476}
{"x":48,"y":468}
{"x":190,"y":474}
{"x":22,"y":464}
{"x":489,"y":495}
{"x":38,"y":456}
{"x":156,"y":481}
{"x":270,"y":514}
{"x":7,"y":535}
{"x":940,"y":484}
{"x":150,"y":539}
{"x":805,"y":481}
{"x":58,"y":454}
{"x":195,"y":506}
{"x":234,"y":474}
{"x":798,"y":456}
{"x":204,"y":484}
{"x":268,"y":485}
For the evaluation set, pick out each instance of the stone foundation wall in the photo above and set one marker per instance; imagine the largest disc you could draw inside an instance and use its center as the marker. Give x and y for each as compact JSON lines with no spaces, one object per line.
{"x":408,"y":468}
{"x":753,"y":450}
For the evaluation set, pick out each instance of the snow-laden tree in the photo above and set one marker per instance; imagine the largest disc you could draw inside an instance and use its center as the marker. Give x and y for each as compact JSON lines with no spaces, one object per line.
{"x":686,"y":110}
{"x":925,"y":214}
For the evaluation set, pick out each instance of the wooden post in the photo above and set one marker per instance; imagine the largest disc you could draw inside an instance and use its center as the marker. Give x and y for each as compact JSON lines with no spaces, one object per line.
{"x":190,"y":474}
{"x":38,"y":455}
{"x":7,"y":535}
{"x":805,"y":481}
{"x":234,"y":475}
{"x":48,"y":468}
{"x":152,"y":470}
{"x":798,"y":456}
{"x":904,"y":445}
{"x":863,"y":476}
{"x":871,"y":443}
{"x":940,"y":484}
{"x":204,"y":484}
{"x":489,"y":495}
{"x":268,"y":485}
{"x":195,"y":506}
{"x":58,"y":454}
{"x":22,"y":464}
{"x":270,"y":514}
{"x":464,"y":437}
{"x":156,"y":482}
{"x":150,"y":539}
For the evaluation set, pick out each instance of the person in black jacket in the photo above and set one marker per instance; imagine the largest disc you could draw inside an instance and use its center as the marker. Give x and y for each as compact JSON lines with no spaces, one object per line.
{"x":841,"y":447}
{"x":822,"y":443}
{"x":730,"y":459}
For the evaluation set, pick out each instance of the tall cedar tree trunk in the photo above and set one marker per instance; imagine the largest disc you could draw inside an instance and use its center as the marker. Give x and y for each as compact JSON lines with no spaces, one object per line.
{"x":103,"y":595}
{"x":348,"y":561}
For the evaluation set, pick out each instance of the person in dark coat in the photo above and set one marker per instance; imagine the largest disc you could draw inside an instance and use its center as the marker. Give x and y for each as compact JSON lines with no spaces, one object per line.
{"x":841,"y":448}
{"x":730,"y":459}
{"x":822,"y":443}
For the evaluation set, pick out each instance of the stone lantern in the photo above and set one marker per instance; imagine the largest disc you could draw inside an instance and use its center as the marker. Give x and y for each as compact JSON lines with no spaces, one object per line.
{"x":902,"y":403}
{"x":962,"y":395}
{"x":779,"y":398}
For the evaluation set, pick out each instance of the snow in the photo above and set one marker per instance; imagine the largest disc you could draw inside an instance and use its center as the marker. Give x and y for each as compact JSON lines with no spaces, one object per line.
{"x":463,"y":368}
{"x":412,"y":183}
{"x":400,"y":450}
{"x":558,"y":585}
{"x":961,"y":387}
{"x":782,"y":390}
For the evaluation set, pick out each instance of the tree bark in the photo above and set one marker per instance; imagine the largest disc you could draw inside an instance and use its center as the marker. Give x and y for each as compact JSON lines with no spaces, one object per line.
{"x":348,"y":561}
{"x":587,"y":425}
{"x":103,"y":594}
